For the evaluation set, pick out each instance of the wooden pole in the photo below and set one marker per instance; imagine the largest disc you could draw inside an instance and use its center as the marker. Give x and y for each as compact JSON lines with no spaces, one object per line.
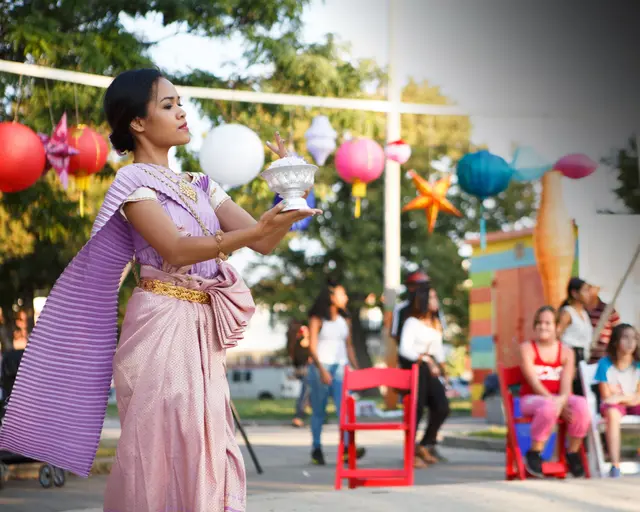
{"x":609,"y":308}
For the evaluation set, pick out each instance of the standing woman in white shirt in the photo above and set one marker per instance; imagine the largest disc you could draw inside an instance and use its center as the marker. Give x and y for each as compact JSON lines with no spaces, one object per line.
{"x":331,"y":350}
{"x":421,"y":342}
{"x":574,"y":325}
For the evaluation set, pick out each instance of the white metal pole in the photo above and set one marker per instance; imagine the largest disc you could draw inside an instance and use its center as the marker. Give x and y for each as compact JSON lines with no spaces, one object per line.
{"x":392,"y":171}
{"x":101,"y":81}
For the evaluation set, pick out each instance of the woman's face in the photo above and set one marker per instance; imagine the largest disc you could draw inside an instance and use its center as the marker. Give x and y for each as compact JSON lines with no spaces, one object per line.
{"x":628,"y":341}
{"x":339,"y":297}
{"x":583,"y":295}
{"x":434,"y":303}
{"x":166,"y":123}
{"x":546,"y":326}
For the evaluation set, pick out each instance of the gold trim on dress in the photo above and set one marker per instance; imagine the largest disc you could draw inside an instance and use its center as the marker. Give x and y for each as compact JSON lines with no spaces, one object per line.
{"x":174,"y":291}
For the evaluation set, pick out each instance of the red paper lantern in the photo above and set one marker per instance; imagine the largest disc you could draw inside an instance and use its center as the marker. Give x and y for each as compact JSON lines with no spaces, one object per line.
{"x":359,"y":161}
{"x":22,"y":157}
{"x":91,"y":157}
{"x":92,"y":151}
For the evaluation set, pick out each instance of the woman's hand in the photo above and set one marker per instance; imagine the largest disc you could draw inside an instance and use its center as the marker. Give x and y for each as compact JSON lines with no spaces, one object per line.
{"x":561,"y":402}
{"x":566,"y":415}
{"x":278,"y":148}
{"x":273,"y":221}
{"x":325,"y":377}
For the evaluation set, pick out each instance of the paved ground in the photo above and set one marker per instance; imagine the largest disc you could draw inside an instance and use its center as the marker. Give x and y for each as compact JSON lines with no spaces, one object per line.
{"x":471,"y":480}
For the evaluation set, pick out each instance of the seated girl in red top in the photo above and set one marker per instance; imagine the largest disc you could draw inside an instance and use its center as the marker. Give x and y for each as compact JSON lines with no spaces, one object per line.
{"x":548,"y":367}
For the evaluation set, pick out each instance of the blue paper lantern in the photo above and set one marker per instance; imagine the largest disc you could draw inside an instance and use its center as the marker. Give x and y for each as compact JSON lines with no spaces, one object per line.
{"x":301,"y":225}
{"x":483,"y":174}
{"x":528,"y":165}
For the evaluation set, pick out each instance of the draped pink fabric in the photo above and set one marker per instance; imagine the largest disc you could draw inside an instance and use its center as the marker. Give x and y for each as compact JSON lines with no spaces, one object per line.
{"x":177,"y":451}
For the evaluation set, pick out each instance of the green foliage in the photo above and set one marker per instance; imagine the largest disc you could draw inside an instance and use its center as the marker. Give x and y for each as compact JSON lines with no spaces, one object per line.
{"x":625,"y":161}
{"x":40,"y":229}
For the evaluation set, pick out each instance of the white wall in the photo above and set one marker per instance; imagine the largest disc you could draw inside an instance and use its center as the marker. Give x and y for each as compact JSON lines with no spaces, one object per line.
{"x":606,"y":246}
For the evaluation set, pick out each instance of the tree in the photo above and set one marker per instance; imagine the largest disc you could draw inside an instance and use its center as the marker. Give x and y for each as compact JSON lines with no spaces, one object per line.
{"x":41,"y":229}
{"x":352,"y":249}
{"x":625,"y":162}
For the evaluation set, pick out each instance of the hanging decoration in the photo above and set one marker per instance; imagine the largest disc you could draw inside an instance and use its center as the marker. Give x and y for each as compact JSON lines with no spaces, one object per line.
{"x":300,"y":225}
{"x":432,"y":198}
{"x":22,"y":157}
{"x":554,"y":240}
{"x":91,"y":157}
{"x":483,"y":175}
{"x":576,"y":166}
{"x":358,"y":162}
{"x":398,"y":151}
{"x":232,"y":154}
{"x":58,"y":150}
{"x":528,"y":165}
{"x":321,"y":139}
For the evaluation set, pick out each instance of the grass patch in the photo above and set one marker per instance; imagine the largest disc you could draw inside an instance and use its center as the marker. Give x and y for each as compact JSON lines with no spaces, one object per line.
{"x":629,"y":439}
{"x":283,"y":409}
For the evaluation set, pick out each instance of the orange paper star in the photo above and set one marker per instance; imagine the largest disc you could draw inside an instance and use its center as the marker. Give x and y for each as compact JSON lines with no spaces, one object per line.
{"x":432,"y":199}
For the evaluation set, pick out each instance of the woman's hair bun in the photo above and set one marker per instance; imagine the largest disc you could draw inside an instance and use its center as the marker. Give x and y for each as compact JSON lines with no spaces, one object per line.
{"x":122,"y":141}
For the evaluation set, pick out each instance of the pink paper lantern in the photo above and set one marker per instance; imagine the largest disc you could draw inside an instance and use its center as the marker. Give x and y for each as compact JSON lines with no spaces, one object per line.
{"x":576,"y":166}
{"x":398,"y":151}
{"x":359,"y":161}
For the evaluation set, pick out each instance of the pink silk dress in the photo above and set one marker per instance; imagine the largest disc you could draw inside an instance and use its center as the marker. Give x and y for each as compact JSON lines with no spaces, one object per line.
{"x":178,"y":451}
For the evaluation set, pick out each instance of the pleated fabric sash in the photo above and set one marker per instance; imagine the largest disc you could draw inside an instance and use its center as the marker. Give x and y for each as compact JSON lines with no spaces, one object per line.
{"x":58,"y":404}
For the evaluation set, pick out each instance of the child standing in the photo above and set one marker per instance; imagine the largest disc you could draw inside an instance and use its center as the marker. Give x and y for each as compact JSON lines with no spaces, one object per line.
{"x":618,"y":375}
{"x":548,"y":367}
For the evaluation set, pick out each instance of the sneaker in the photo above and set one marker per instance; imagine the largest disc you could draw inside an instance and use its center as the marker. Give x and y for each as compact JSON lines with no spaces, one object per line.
{"x":360,"y":451}
{"x":614,"y":472}
{"x":575,"y":464}
{"x":317,"y":457}
{"x":533,"y":463}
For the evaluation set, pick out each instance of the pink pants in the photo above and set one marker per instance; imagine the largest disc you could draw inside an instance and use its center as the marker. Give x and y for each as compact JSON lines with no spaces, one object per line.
{"x":544,"y":416}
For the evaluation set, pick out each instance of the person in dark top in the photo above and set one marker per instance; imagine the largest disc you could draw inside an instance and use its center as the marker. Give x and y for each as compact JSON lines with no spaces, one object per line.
{"x":299,"y":352}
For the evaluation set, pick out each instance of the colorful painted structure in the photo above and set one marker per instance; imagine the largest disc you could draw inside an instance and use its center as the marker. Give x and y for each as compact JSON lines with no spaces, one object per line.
{"x":507,"y":290}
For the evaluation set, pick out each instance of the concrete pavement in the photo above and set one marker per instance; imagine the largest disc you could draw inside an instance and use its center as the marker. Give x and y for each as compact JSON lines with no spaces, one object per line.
{"x":471,"y":480}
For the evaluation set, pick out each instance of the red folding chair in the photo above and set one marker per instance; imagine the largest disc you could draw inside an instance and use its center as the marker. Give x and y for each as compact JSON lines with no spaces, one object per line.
{"x":403,"y":380}
{"x":510,"y":379}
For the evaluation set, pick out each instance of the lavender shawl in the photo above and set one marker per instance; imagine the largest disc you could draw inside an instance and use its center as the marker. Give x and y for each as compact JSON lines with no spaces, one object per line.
{"x":58,"y":404}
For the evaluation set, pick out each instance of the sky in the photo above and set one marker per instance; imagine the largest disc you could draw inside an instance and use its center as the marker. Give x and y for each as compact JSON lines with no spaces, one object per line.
{"x":539,"y":73}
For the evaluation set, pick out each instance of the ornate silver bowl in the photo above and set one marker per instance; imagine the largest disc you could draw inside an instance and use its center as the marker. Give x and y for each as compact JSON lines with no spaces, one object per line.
{"x":291,"y":182}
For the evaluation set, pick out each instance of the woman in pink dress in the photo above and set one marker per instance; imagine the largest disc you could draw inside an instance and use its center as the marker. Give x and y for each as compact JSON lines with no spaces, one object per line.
{"x":177,"y":451}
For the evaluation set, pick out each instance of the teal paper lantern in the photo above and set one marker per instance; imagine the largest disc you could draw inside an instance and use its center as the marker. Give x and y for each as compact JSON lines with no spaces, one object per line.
{"x":483,"y":174}
{"x":528,"y":165}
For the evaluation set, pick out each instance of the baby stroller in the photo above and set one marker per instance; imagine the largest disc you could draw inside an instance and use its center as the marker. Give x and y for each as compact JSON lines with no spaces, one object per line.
{"x":49,"y":475}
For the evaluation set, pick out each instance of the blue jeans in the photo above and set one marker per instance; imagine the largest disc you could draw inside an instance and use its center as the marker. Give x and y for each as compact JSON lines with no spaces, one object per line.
{"x":319,"y":396}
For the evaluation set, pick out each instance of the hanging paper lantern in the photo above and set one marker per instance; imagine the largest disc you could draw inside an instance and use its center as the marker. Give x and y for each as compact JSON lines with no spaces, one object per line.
{"x":22,"y":157}
{"x":91,"y":158}
{"x":303,"y":224}
{"x":321,"y":139}
{"x":58,"y":150}
{"x":431,"y":198}
{"x":232,"y":154}
{"x":483,"y":175}
{"x":576,"y":166}
{"x":528,"y":165}
{"x":398,"y":151}
{"x":359,"y":161}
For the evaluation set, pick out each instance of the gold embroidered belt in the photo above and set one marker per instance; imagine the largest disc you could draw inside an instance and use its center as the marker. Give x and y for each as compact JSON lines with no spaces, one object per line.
{"x":172,"y":290}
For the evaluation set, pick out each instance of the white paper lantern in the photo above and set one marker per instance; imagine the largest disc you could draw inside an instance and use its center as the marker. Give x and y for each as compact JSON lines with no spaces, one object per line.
{"x":232,"y":154}
{"x":321,"y":139}
{"x":398,"y":151}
